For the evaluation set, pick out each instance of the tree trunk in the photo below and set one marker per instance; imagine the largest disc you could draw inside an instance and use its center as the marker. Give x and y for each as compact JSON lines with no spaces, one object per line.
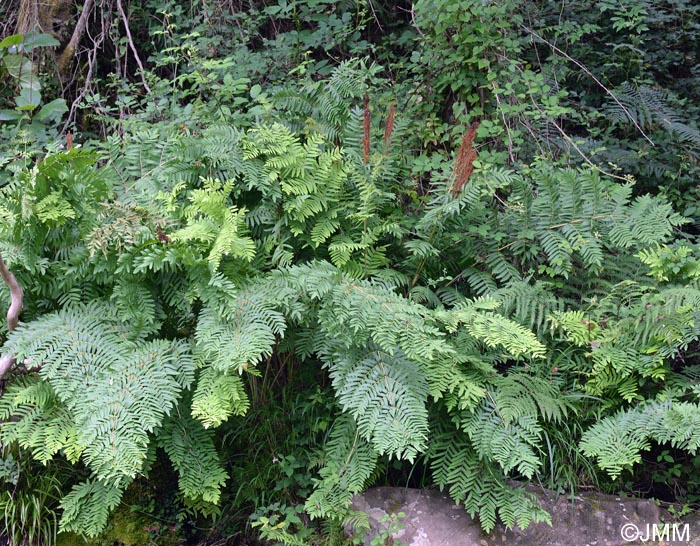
{"x":42,"y":15}
{"x":66,"y":56}
{"x":7,"y":361}
{"x":50,"y":17}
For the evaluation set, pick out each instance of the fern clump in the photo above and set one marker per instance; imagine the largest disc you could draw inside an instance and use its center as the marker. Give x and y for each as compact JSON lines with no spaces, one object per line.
{"x":170,"y":277}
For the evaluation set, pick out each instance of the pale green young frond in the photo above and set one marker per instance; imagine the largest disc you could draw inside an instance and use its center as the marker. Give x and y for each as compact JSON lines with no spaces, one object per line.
{"x":218,"y":396}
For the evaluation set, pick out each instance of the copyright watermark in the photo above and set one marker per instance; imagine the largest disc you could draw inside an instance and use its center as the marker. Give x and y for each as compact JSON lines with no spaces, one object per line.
{"x":678,"y":532}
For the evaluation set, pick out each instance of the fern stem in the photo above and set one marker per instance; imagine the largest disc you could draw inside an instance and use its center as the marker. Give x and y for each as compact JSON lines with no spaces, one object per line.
{"x":579,"y":220}
{"x":366,"y":127}
{"x":350,"y":453}
{"x":495,"y":408}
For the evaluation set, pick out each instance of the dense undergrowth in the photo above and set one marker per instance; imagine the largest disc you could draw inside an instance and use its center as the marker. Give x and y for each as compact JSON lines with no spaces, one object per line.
{"x":273,"y":253}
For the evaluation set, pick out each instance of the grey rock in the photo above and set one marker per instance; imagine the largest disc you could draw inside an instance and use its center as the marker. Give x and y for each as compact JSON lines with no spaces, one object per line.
{"x":432,"y":518}
{"x":588,"y":519}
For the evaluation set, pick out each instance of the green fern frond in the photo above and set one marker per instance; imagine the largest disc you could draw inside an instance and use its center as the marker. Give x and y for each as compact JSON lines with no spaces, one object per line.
{"x":88,"y":505}
{"x":239,"y":336}
{"x":511,"y":444}
{"x":387,"y":395}
{"x":35,"y":418}
{"x":528,"y":304}
{"x":219,"y":226}
{"x":650,"y":107}
{"x":616,"y":441}
{"x":116,"y":389}
{"x":136,"y":305}
{"x":190,"y":447}
{"x":54,"y":209}
{"x":480,"y":485}
{"x":519,"y":394}
{"x":459,"y":378}
{"x":492,"y":329}
{"x":348,"y":463}
{"x":217,"y":397}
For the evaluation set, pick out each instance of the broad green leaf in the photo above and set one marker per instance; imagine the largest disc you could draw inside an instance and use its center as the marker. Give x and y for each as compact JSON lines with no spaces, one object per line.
{"x":10,"y":115}
{"x":28,"y":99}
{"x":35,"y":39}
{"x":22,"y":69}
{"x":15,"y":65}
{"x":13,"y":39}
{"x":52,"y":111}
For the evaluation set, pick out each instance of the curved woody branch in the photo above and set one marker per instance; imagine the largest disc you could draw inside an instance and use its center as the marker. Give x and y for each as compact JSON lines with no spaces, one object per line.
{"x":7,"y":361}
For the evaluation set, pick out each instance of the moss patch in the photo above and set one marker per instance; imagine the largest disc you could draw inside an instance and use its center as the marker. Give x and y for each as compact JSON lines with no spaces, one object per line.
{"x":126,"y":528}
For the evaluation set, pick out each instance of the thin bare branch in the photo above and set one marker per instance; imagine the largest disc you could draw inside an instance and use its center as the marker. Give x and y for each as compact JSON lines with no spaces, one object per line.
{"x":374,"y":14}
{"x":591,"y":75}
{"x":125,"y":19}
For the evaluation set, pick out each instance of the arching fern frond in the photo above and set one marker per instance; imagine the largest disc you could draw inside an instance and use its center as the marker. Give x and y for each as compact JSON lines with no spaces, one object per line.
{"x":217,"y":397}
{"x":191,"y":450}
{"x":492,"y":329}
{"x":616,"y":441}
{"x":387,"y":395}
{"x":348,"y":462}
{"x":236,"y":336}
{"x":511,"y":443}
{"x":219,"y":227}
{"x":88,"y":505}
{"x":34,"y":417}
{"x":649,"y":107}
{"x":117,"y":390}
{"x":480,"y":485}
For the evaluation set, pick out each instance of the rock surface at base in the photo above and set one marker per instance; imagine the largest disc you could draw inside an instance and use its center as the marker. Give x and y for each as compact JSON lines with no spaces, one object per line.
{"x":592,"y":519}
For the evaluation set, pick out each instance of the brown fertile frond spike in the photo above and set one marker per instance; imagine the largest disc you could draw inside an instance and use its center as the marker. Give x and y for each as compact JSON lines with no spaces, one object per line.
{"x":389,"y":128}
{"x":162,"y":237}
{"x":464,"y":162}
{"x":365,"y":137}
{"x":69,"y":140}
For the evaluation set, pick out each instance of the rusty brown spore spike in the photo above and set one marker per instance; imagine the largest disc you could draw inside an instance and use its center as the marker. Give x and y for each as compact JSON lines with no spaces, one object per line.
{"x":389,"y":127}
{"x":464,"y":162}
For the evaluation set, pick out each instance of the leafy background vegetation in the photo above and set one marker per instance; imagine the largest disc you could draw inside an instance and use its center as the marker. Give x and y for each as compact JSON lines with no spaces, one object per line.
{"x":276,"y":252}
